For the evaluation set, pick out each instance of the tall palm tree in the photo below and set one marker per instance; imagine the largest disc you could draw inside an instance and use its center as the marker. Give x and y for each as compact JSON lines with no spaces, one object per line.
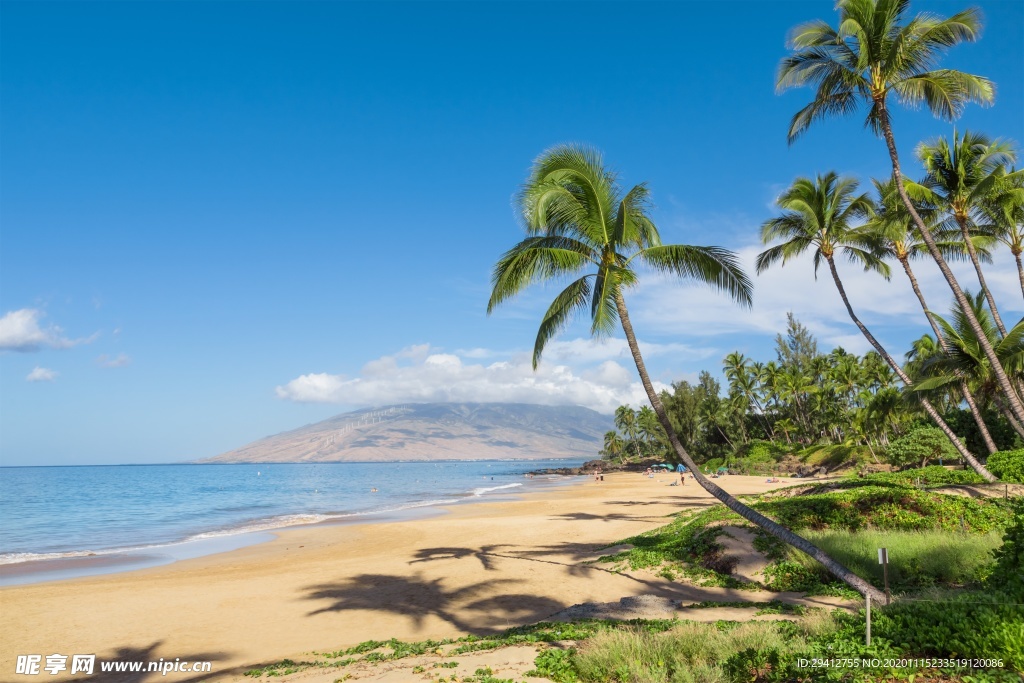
{"x":875,"y":53}
{"x":819,"y":214}
{"x":892,"y":231}
{"x":578,"y":219}
{"x":960,"y":178}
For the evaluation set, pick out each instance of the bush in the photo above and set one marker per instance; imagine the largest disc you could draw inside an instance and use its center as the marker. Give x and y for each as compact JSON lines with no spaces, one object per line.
{"x":1007,"y":465}
{"x":920,"y":445}
{"x":1008,"y":572}
{"x":886,"y":506}
{"x":934,"y":475}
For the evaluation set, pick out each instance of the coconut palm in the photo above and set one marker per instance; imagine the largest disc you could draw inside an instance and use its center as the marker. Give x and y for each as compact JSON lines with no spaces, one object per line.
{"x":650,"y":430}
{"x":964,"y":358}
{"x":613,"y":445}
{"x":892,"y":231}
{"x":1003,"y":213}
{"x":625,"y":421}
{"x":820,"y":214}
{"x":743,"y":378}
{"x":961,"y":176}
{"x":876,"y":52}
{"x":578,"y":219}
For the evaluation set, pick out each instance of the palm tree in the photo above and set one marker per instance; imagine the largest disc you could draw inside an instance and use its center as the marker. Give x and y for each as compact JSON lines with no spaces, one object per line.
{"x":625,"y":421}
{"x":871,"y":55}
{"x":1003,"y":212}
{"x":650,"y":430}
{"x":578,"y":219}
{"x":964,"y":357}
{"x":892,"y":231}
{"x":743,"y":378}
{"x":613,"y":445}
{"x":819,"y":214}
{"x":960,"y":178}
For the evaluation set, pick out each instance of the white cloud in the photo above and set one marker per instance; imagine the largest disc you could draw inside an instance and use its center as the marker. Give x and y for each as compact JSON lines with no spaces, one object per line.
{"x":118,"y":361}
{"x":429,"y":375}
{"x":20,"y":331}
{"x":661,"y":306}
{"x":39,"y":374}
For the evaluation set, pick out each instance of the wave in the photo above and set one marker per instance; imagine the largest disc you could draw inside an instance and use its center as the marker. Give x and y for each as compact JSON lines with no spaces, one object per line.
{"x":486,"y":489}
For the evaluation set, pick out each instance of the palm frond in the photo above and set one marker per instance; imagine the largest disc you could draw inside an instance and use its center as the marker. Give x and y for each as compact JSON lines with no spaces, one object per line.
{"x":568,"y":302}
{"x":533,"y":260}
{"x":714,"y":266}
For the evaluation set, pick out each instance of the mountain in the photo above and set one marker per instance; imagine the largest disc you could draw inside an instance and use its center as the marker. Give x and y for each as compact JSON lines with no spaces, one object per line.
{"x":436,"y":431}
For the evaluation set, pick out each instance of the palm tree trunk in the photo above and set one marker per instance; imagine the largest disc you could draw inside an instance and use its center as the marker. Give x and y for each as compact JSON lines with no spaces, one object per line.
{"x":928,"y":408}
{"x":962,"y":222}
{"x":1020,"y":270}
{"x":997,"y":369}
{"x":777,"y":530}
{"x":982,"y":427}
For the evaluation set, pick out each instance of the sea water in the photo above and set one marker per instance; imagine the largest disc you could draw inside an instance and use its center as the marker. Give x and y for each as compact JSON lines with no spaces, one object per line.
{"x":144,"y":514}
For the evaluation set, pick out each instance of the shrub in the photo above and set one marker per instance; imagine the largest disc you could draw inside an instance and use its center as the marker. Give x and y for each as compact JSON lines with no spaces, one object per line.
{"x":933,"y":475}
{"x":1008,"y":465}
{"x":919,"y":446}
{"x":1008,"y":572}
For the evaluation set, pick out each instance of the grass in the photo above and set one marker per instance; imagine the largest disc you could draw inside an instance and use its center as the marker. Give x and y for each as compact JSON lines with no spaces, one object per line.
{"x":934,"y":539}
{"x":917,"y":559}
{"x":726,"y":652}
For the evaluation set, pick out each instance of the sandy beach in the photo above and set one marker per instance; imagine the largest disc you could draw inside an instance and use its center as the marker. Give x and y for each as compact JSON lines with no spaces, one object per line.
{"x":480,"y":569}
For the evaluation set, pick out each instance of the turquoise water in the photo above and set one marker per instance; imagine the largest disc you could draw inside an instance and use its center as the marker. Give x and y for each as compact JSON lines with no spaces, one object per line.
{"x":52,"y":513}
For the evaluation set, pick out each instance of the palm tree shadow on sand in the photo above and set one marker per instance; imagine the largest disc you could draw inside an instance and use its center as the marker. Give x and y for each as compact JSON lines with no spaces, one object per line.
{"x":418,"y":598}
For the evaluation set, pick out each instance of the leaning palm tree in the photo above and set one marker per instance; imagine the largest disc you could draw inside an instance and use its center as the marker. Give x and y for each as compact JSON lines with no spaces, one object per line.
{"x":960,"y":178}
{"x":820,"y":214}
{"x":579,"y":222}
{"x":875,"y":53}
{"x":893,"y":234}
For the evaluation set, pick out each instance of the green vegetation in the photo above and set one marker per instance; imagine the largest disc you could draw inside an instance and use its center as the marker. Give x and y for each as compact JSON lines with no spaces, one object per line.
{"x":1008,"y":465}
{"x":1008,"y":572}
{"x":933,"y":475}
{"x":920,"y":445}
{"x":917,"y":559}
{"x":772,"y":651}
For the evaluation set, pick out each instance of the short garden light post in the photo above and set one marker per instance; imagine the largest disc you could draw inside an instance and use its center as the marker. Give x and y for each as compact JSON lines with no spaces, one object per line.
{"x":883,"y":559}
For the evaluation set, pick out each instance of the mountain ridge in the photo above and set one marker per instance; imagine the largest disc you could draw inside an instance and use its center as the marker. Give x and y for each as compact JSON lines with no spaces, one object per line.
{"x":435,"y":431}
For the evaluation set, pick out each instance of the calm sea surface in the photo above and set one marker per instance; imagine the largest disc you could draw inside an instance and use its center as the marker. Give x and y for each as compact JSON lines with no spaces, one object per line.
{"x":74,"y":512}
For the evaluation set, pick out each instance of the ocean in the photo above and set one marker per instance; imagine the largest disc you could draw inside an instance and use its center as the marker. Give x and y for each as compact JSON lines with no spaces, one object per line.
{"x":72,"y":521}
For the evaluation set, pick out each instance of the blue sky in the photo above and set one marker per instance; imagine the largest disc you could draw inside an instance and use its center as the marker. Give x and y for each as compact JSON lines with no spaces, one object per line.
{"x":224,"y":220}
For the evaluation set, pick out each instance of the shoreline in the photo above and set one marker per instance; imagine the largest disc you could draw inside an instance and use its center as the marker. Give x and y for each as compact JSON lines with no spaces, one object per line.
{"x":47,"y":567}
{"x":477,"y":568}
